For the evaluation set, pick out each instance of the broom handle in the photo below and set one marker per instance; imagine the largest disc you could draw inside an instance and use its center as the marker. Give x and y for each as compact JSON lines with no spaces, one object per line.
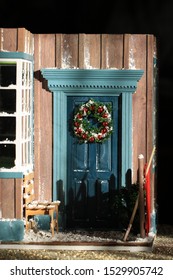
{"x":131,"y":219}
{"x":150,"y":160}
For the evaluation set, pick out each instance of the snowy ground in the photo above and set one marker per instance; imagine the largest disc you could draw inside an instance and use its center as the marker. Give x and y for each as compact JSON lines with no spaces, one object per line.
{"x":80,"y":236}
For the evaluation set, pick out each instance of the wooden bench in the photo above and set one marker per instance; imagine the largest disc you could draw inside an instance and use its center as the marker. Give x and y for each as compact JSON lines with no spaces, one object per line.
{"x":33,"y":207}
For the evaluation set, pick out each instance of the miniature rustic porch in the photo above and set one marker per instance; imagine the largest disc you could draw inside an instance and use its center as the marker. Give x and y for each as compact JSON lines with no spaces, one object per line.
{"x":68,"y":54}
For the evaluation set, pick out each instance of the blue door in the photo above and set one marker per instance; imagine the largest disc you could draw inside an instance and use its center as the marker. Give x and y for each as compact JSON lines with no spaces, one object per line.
{"x":92,"y":171}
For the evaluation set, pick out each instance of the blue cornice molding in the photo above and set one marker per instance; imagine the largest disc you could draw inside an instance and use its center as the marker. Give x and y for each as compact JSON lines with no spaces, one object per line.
{"x":125,"y":80}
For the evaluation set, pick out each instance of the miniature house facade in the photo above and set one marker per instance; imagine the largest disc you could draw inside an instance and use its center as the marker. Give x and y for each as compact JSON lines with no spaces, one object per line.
{"x":51,"y":75}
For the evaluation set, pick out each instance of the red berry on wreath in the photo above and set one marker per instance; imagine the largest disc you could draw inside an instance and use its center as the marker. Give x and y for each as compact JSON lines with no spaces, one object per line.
{"x":105,"y":115}
{"x":79,"y":116}
{"x":99,"y":136}
{"x":92,"y":108}
{"x":104,"y":130}
{"x":100,"y":110}
{"x":76,"y":124}
{"x":84,"y":136}
{"x":105,"y":123}
{"x":91,"y":139}
{"x":79,"y":131}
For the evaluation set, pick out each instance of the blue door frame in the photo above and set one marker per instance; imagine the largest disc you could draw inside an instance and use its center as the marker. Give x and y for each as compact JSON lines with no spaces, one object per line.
{"x":81,"y":82}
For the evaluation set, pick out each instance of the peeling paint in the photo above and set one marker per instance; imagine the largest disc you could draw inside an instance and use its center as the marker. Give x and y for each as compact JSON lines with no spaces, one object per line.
{"x":107,"y":58}
{"x":131,"y":59}
{"x":66,"y":60}
{"x":87,"y":58}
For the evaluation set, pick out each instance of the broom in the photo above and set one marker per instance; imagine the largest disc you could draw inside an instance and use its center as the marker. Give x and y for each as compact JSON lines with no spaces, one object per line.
{"x":137,"y":200}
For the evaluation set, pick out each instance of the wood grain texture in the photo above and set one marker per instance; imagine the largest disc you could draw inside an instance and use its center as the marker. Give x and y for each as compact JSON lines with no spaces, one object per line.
{"x":67,"y":50}
{"x":7,"y":198}
{"x":89,"y":51}
{"x":137,"y":60}
{"x":18,"y":193}
{"x":112,"y":51}
{"x":8,"y":39}
{"x":44,"y":56}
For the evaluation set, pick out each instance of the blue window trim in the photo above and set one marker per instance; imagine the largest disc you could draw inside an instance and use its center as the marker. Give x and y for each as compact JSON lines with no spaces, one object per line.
{"x":11,"y":175}
{"x":65,"y":82}
{"x":16,"y":55}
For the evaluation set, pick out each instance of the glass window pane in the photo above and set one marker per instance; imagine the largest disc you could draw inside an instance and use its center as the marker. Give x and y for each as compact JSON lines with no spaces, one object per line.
{"x":8,"y":101}
{"x":7,"y":155}
{"x":7,"y":128}
{"x":7,"y":75}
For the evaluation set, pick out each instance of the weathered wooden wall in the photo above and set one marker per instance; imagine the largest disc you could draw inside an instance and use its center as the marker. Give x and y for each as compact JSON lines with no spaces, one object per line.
{"x":16,"y":40}
{"x":105,"y":51}
{"x":99,"y":51}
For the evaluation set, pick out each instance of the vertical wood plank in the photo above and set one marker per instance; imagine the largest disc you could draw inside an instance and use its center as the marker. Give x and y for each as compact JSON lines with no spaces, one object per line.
{"x":137,"y":60}
{"x":112,"y":51}
{"x":44,"y":56}
{"x":89,"y":51}
{"x":31,"y":43}
{"x":1,"y":39}
{"x":150,"y":85}
{"x":18,"y":199}
{"x":58,"y":50}
{"x":21,"y":40}
{"x":7,"y":195}
{"x":67,"y":50}
{"x":9,"y":39}
{"x":126,"y":38}
{"x":25,"y":41}
{"x":151,"y":109}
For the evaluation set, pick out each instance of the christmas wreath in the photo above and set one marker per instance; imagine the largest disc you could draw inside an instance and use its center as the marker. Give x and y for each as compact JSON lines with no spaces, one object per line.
{"x":93,"y":122}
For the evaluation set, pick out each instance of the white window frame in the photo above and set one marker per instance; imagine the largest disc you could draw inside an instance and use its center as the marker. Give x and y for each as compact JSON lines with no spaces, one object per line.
{"x":24,"y":115}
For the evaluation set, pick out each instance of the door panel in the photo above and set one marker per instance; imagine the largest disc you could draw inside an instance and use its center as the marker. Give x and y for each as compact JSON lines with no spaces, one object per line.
{"x":92,"y":172}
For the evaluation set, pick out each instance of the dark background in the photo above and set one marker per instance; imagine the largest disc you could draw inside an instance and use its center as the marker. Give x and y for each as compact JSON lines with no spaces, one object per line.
{"x":115,"y":17}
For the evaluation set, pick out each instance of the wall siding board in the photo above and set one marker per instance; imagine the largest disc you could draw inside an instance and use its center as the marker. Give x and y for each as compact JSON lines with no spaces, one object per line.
{"x":16,"y":39}
{"x":126,"y":38}
{"x":137,"y":59}
{"x":149,"y":84}
{"x":44,"y":56}
{"x":151,"y":48}
{"x":89,"y":51}
{"x":112,"y":51}
{"x":8,"y":39}
{"x":67,"y":51}
{"x":8,"y":198}
{"x":18,"y":207}
{"x":22,"y":39}
{"x":58,"y":52}
{"x":25,"y":41}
